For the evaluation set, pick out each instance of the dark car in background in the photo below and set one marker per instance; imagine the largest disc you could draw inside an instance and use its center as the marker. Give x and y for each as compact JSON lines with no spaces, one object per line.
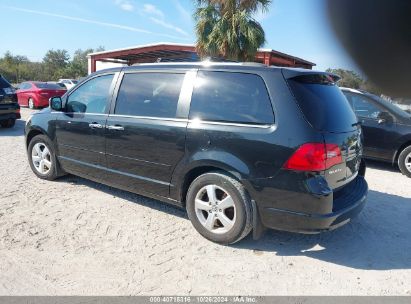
{"x":9,"y":108}
{"x":387,"y":129}
{"x":240,"y":146}
{"x":36,"y":94}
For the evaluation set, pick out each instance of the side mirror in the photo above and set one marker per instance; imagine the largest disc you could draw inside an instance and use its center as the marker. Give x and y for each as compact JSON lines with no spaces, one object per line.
{"x":385,"y":117}
{"x":56,"y":104}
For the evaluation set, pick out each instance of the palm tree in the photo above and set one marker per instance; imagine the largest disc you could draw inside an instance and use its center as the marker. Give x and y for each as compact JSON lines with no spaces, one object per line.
{"x":227,"y":28}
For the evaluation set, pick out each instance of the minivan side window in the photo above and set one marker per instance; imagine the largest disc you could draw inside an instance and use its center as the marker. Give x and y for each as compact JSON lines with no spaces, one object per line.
{"x":363,"y":107}
{"x":231,"y":97}
{"x":91,"y":97}
{"x":149,"y":94}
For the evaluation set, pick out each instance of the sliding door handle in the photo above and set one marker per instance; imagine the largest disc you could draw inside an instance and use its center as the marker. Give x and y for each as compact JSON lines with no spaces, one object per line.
{"x":117,"y":128}
{"x":95,"y":125}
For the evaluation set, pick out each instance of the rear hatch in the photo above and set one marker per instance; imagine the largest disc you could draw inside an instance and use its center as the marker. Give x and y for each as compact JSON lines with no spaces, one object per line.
{"x":328,"y":111}
{"x":7,"y":92}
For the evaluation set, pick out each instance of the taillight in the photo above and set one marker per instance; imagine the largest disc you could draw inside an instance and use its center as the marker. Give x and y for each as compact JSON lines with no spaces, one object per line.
{"x":314,"y":157}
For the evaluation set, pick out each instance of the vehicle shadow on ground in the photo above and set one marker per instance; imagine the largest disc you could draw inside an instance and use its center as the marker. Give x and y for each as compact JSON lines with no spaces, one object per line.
{"x":17,"y":130}
{"x":379,"y":165}
{"x":378,"y":239}
{"x":132,"y":197}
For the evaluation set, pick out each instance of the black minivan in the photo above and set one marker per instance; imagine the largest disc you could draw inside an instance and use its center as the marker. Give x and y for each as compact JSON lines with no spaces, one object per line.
{"x":241,"y":146}
{"x":9,"y":107}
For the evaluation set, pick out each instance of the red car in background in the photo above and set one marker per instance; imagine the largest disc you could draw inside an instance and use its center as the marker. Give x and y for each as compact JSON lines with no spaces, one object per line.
{"x":35,"y":94}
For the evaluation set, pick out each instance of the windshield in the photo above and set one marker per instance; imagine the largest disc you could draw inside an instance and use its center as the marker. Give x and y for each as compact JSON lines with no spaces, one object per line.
{"x":4,"y":83}
{"x":48,"y":86}
{"x":323,"y":103}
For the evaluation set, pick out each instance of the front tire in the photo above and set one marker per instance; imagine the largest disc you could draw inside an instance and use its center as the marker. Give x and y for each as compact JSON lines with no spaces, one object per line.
{"x":9,"y":123}
{"x":219,"y":208}
{"x":404,"y":161}
{"x":42,"y":158}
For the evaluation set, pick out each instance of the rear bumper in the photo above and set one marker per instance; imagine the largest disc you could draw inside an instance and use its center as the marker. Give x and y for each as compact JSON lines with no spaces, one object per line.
{"x":9,"y":111}
{"x":346,"y":204}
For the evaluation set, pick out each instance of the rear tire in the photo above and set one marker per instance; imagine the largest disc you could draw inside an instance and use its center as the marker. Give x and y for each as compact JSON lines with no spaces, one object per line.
{"x":31,"y":103}
{"x":404,"y":161}
{"x":42,"y":158}
{"x":9,"y":123}
{"x":219,"y":208}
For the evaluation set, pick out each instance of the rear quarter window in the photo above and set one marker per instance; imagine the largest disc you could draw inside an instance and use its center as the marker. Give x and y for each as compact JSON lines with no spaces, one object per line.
{"x":231,"y":97}
{"x":322,"y":103}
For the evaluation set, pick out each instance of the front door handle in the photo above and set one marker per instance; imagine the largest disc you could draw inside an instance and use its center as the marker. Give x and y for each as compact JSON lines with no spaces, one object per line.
{"x":117,"y":128}
{"x":95,"y":125}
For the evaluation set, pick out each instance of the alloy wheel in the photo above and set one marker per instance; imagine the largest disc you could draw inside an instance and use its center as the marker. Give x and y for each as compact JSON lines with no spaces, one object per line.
{"x":215,"y":209}
{"x":41,"y":158}
{"x":407,"y":162}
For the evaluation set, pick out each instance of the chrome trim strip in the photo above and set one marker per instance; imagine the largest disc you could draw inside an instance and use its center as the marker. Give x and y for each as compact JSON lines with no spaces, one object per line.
{"x":149,"y":117}
{"x":231,"y":124}
{"x":199,"y":122}
{"x":191,"y":121}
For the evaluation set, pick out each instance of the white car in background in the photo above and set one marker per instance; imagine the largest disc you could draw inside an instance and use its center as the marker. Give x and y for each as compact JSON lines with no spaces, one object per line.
{"x":69,"y":83}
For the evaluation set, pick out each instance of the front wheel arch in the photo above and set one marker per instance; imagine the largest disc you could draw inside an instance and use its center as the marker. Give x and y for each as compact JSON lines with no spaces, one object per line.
{"x":399,"y":150}
{"x":403,"y":161}
{"x":31,"y":135}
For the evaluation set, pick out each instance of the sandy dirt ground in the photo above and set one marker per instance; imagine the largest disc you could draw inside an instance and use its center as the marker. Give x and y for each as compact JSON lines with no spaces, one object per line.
{"x":76,"y":237}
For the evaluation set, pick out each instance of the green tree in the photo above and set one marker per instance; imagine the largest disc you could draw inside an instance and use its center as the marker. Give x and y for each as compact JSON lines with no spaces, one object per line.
{"x":78,"y":67}
{"x":56,"y":64}
{"x":227,"y":28}
{"x":351,"y":79}
{"x":55,"y":61}
{"x":13,"y":66}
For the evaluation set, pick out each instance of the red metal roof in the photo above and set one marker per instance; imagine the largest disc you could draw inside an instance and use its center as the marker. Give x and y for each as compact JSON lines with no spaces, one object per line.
{"x":186,"y":52}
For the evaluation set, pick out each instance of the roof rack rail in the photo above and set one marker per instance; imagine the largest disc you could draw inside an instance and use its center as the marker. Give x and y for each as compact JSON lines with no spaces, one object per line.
{"x":254,"y":64}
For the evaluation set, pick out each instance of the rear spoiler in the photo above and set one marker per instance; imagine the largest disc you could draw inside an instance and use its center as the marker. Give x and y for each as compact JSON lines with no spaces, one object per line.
{"x":310,"y":76}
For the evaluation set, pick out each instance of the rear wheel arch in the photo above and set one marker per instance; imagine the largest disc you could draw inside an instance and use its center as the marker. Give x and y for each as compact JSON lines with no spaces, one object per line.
{"x":195,"y":172}
{"x":230,"y":222}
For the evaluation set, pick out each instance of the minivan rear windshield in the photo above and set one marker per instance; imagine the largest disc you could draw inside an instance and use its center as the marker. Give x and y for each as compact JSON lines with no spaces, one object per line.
{"x":4,"y":83}
{"x":322,"y":102}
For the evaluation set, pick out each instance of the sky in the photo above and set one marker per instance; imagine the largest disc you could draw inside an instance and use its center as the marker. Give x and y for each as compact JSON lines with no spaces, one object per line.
{"x":296,"y":27}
